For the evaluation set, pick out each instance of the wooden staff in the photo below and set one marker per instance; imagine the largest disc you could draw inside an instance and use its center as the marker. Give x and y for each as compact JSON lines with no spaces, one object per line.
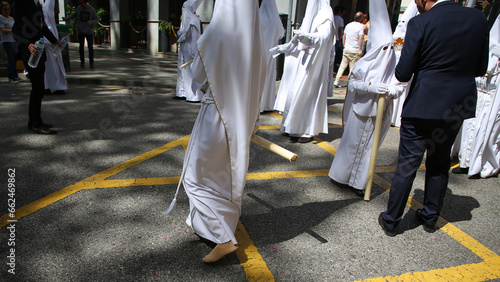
{"x":376,"y":137}
{"x":186,"y":64}
{"x":274,"y":148}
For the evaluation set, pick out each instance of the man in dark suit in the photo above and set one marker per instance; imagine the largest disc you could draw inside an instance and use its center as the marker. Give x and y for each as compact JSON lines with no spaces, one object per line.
{"x":446,"y":47}
{"x":29,"y":27}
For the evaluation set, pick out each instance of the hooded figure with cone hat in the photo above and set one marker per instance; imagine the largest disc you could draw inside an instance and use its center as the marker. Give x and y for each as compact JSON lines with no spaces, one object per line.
{"x":302,"y":96}
{"x":373,"y":75}
{"x":188,"y":33}
{"x":230,"y":66}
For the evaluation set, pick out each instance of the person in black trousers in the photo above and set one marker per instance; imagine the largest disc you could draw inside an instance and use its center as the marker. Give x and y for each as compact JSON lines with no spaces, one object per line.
{"x":446,"y":47}
{"x":28,"y":28}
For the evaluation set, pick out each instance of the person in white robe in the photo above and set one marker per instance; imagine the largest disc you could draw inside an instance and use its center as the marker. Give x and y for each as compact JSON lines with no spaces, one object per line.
{"x":189,"y":32}
{"x":231,"y":67}
{"x":273,"y":31}
{"x":55,"y":74}
{"x":305,"y":82}
{"x":372,"y":76}
{"x":478,"y":145}
{"x":399,"y":39}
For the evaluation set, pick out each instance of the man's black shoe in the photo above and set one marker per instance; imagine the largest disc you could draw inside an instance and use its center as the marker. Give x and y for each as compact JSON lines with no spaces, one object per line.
{"x":460,"y":170}
{"x":427,"y":227}
{"x":82,"y":65}
{"x":42,"y":129}
{"x":359,"y":193}
{"x":59,"y":92}
{"x":387,"y":231}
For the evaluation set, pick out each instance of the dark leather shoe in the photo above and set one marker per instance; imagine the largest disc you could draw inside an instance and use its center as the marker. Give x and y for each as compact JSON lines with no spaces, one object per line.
{"x":59,"y":92}
{"x":460,"y":170}
{"x":42,"y":129}
{"x":387,"y":231}
{"x":427,"y":227}
{"x":359,"y":193}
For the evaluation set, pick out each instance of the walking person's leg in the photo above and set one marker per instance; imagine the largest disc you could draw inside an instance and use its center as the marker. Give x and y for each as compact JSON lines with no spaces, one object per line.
{"x":90,"y":43}
{"x":81,"y":41}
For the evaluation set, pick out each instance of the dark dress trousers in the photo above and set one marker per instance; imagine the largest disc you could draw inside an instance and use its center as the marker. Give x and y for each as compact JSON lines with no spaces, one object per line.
{"x":29,"y":27}
{"x":445,"y":49}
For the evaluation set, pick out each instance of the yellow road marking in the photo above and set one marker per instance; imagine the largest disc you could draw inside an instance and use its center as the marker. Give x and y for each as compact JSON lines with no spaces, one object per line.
{"x":487,"y":270}
{"x":250,"y":259}
{"x":254,"y":265}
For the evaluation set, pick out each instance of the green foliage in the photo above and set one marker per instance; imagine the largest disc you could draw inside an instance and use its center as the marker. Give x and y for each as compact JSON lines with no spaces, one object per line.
{"x":70,"y":9}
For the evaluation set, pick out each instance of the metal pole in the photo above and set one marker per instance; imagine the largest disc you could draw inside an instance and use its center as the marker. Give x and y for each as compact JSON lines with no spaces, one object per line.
{"x":289,"y":22}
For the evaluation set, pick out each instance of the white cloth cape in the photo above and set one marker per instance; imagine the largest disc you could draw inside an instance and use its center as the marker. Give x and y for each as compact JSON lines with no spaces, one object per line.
{"x":305,"y":112}
{"x":272,"y":31}
{"x":188,"y":35}
{"x":55,"y":74}
{"x":231,"y":57}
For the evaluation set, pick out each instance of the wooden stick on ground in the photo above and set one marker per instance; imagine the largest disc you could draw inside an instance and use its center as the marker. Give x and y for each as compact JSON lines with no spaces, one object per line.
{"x":376,"y":138}
{"x":274,"y":148}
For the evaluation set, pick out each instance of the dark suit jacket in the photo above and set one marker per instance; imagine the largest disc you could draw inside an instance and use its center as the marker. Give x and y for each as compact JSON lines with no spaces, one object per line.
{"x":445,"y":49}
{"x":29,"y":25}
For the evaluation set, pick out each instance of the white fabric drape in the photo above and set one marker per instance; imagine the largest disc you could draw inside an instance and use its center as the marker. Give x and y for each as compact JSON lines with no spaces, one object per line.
{"x":272,"y":31}
{"x":55,"y":74}
{"x":188,"y":33}
{"x":305,"y":79}
{"x":351,"y":163}
{"x":231,"y":60}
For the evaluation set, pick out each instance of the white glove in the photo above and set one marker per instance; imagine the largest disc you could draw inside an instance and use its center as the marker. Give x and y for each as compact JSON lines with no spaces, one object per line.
{"x":379,"y":88}
{"x":305,"y":38}
{"x":284,"y":48}
{"x":394,"y":91}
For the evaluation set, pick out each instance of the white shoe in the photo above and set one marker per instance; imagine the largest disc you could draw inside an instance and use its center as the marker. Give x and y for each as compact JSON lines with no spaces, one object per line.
{"x":336,"y":84}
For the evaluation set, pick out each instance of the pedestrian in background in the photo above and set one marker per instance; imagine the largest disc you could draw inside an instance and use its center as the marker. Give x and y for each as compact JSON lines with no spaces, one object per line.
{"x":86,"y":18}
{"x":28,"y":28}
{"x":442,"y":94}
{"x":8,"y":41}
{"x":353,"y":45}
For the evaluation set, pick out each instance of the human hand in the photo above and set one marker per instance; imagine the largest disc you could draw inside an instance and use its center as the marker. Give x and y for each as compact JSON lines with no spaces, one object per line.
{"x":394,"y":91}
{"x":378,"y":88}
{"x":89,"y":23}
{"x":58,"y":43}
{"x":32,"y":48}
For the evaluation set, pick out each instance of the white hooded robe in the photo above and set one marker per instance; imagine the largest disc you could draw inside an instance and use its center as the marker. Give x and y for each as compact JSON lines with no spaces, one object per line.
{"x":231,"y":66}
{"x":352,"y":160}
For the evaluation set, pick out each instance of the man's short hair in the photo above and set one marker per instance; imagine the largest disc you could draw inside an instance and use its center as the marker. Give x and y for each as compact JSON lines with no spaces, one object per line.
{"x":358,"y":16}
{"x":338,"y":9}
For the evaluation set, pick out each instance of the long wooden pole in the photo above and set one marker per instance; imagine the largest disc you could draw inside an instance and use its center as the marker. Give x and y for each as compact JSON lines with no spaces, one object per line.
{"x":274,"y":148}
{"x":376,"y":137}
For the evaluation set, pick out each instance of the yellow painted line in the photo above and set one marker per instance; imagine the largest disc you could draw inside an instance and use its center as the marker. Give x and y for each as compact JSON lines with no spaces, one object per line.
{"x":136,"y":160}
{"x":287,"y":174}
{"x":93,"y":182}
{"x":487,"y":270}
{"x":270,"y":127}
{"x":484,"y":271}
{"x":334,"y":126}
{"x":276,"y":115}
{"x":254,"y":265}
{"x":325,"y":145}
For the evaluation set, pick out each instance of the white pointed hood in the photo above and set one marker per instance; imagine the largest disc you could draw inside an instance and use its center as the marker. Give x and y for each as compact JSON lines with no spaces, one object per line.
{"x":409,"y":13}
{"x":189,"y":18}
{"x":272,"y":27}
{"x":317,"y":12}
{"x":379,"y":62}
{"x":232,"y":56}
